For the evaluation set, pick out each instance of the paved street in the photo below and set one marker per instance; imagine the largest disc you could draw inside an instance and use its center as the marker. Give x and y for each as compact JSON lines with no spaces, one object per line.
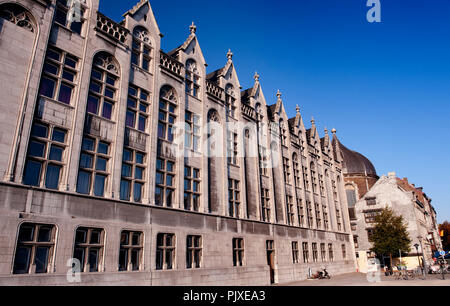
{"x":358,"y":279}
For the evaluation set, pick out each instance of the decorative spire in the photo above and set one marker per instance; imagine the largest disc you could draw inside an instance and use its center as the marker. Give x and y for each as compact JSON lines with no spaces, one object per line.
{"x":334,"y":131}
{"x":256,"y":77}
{"x":193,"y":28}
{"x":279,"y":94}
{"x":230,"y":55}
{"x":298,"y":109}
{"x":313,"y":121}
{"x":326,"y":131}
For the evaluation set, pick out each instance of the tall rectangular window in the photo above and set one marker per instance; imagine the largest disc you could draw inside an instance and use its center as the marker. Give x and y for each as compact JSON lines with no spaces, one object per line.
{"x":165,"y":182}
{"x":166,"y":120}
{"x":165,"y":252}
{"x":103,"y":93}
{"x":323,"y":252}
{"x":344,"y":252}
{"x":93,"y":172}
{"x":295,"y":257}
{"x":191,"y":188}
{"x":318,"y":215}
{"x":330,"y":252}
{"x":300,"y":212}
{"x":232,"y":148}
{"x":238,"y":252}
{"x":192,"y":132}
{"x":133,"y":175}
{"x":35,"y":249}
{"x":305,"y":252}
{"x":315,"y":252}
{"x":309,"y":214}
{"x":89,"y":247}
{"x":141,"y":55}
{"x":287,"y":171}
{"x":192,"y":79}
{"x":130,"y":253}
{"x":296,"y":167}
{"x":45,"y":160}
{"x":263,"y":161}
{"x":234,"y":198}
{"x":193,"y":252}
{"x":305,"y":178}
{"x":59,"y":76}
{"x":138,"y":107}
{"x":290,"y":210}
{"x":265,"y":202}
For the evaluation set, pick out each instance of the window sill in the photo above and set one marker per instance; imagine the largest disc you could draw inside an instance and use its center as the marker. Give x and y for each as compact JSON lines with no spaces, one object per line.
{"x":136,"y":67}
{"x":193,"y":97}
{"x":68,"y":30}
{"x":41,"y":97}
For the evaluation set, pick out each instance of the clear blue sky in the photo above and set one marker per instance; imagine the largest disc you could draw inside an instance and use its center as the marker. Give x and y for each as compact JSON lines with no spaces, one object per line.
{"x":385,"y":87}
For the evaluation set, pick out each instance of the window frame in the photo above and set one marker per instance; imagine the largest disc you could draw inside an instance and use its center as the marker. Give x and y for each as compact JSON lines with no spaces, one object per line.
{"x":34,"y":245}
{"x":45,"y":160}
{"x":87,"y":246}
{"x":130,"y":247}
{"x":163,"y":250}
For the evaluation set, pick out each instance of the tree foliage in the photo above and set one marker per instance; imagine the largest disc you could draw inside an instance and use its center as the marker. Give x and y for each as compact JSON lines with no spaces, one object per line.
{"x":390,"y":234}
{"x":446,"y":239}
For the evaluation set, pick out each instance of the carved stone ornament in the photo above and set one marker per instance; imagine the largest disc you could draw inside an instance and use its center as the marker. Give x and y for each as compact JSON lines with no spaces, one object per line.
{"x":229,"y":90}
{"x":191,"y":66}
{"x":107,"y":62}
{"x":169,"y":94}
{"x":213,"y":116}
{"x":142,"y":34}
{"x":19,"y":16}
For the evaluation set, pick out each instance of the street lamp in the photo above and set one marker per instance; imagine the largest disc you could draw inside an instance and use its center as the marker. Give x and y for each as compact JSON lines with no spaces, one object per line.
{"x":418,"y":258}
{"x":424,"y":271}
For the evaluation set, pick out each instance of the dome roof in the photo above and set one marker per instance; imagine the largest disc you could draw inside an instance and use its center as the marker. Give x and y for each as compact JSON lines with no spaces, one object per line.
{"x":356,"y":163}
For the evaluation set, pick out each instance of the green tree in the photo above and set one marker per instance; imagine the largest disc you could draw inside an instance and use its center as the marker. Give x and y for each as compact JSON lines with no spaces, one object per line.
{"x":390,"y":234}
{"x":445,"y":228}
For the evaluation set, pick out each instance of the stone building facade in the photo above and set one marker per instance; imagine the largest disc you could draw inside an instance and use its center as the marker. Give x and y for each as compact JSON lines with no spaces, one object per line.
{"x":137,"y":167}
{"x":368,"y":195}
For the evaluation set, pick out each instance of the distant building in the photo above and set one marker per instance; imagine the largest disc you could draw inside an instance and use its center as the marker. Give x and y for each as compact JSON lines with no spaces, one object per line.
{"x":368,"y":195}
{"x":90,"y":113}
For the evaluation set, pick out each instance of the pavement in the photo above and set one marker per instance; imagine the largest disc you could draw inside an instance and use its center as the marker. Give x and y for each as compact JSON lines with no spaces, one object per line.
{"x":359,"y":279}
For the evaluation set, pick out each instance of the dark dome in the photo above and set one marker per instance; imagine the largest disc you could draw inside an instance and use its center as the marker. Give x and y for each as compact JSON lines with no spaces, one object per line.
{"x":356,"y":163}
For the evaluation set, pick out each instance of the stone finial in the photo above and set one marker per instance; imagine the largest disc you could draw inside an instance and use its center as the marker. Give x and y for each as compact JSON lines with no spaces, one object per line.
{"x":256,"y":77}
{"x":297,"y":109}
{"x":313,"y":121}
{"x":230,"y":55}
{"x":193,"y":28}
{"x":279,"y":94}
{"x":326,"y":131}
{"x":334,"y":131}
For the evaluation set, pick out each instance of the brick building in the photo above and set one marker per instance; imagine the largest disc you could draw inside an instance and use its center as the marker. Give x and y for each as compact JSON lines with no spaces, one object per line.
{"x":137,"y":167}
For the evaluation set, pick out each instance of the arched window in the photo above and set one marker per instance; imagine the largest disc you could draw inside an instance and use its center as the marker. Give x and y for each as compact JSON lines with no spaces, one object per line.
{"x":46,"y":159}
{"x":103,"y":88}
{"x":165,"y":165}
{"x":230,"y":100}
{"x":141,"y":55}
{"x":94,"y":169}
{"x":192,"y":78}
{"x":71,"y":14}
{"x":167,"y":113}
{"x":19,"y":16}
